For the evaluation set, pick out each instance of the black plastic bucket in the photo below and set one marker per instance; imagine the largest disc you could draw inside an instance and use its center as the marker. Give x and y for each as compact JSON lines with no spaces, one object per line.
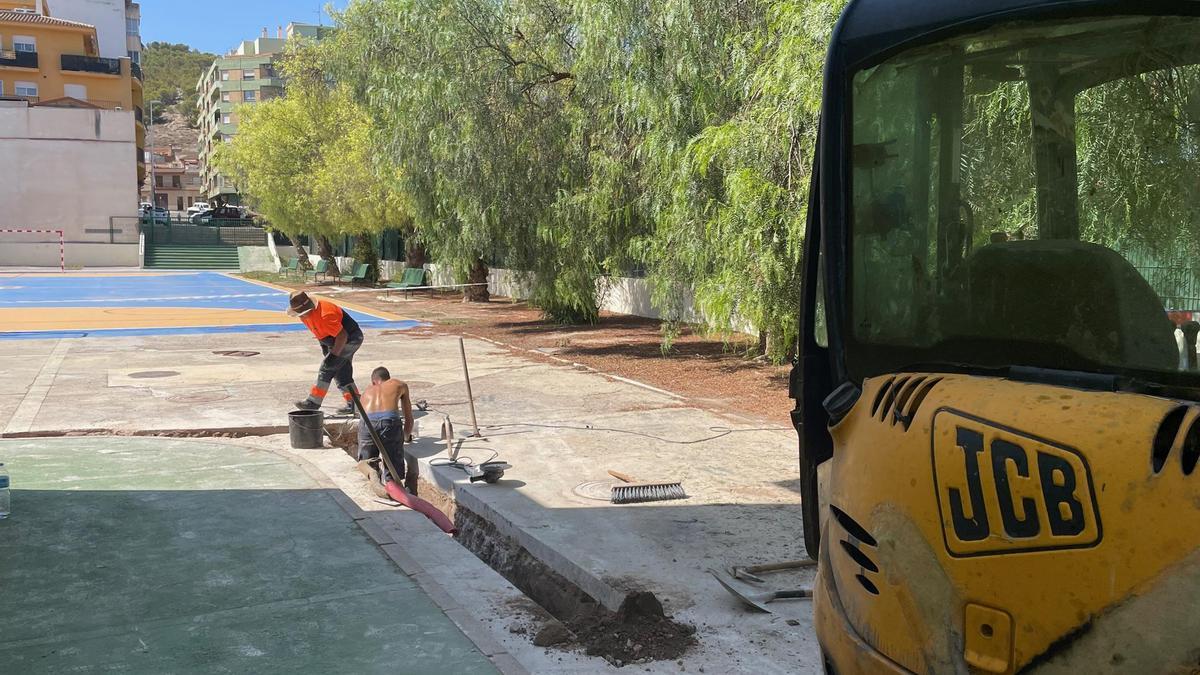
{"x":305,"y":428}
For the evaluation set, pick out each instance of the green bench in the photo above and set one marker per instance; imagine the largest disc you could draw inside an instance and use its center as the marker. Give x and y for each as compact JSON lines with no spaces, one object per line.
{"x":413,"y":277}
{"x":359,"y":274}
{"x":292,"y":266}
{"x":321,"y":269}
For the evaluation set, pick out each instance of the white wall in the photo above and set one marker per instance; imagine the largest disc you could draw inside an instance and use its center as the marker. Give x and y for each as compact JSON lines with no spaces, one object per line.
{"x":68,"y":169}
{"x":108,"y":16}
{"x":78,"y":255}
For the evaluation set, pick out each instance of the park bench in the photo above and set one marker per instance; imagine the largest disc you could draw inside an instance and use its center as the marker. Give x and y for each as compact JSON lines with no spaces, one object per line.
{"x":292,"y":266}
{"x":359,"y":274}
{"x":414,"y":277}
{"x":321,"y":269}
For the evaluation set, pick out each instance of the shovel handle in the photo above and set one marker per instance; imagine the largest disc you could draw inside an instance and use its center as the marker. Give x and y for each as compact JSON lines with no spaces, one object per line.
{"x":793,"y":595}
{"x":775,"y":567}
{"x":623,"y":477}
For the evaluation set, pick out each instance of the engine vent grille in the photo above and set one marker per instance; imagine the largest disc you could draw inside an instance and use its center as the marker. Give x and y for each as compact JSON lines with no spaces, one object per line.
{"x":900,"y":397}
{"x":853,"y":549}
{"x":1180,"y":428}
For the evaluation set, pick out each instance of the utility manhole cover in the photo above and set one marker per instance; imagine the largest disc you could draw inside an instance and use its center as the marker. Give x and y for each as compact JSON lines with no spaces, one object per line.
{"x":599,"y":490}
{"x":237,"y":353}
{"x":199,"y":397}
{"x":151,"y":374}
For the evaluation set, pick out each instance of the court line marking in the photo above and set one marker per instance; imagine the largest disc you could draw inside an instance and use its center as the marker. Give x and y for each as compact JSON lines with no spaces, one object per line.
{"x":23,"y":417}
{"x":377,"y":313}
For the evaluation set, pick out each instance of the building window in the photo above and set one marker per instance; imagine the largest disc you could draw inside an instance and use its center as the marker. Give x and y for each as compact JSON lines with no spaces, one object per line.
{"x":26,"y":89}
{"x":249,"y":96}
{"x":136,"y":57}
{"x":249,"y":74}
{"x":175,"y":182}
{"x":158,"y":181}
{"x":226,"y":97}
{"x":132,"y":26}
{"x":1,"y":87}
{"x":22,"y":43}
{"x":225,"y":119}
{"x":76,"y":91}
{"x":224,"y":75}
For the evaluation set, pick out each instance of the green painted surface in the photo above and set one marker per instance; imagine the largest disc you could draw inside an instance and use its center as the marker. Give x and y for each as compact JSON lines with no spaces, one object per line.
{"x":156,"y":555}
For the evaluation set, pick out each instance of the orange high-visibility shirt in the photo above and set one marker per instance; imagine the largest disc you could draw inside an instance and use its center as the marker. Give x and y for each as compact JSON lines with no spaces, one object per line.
{"x":325,"y":321}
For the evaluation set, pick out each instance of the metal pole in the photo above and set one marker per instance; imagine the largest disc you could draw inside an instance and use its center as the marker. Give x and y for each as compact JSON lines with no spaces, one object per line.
{"x":150,"y":142}
{"x":462,"y":349}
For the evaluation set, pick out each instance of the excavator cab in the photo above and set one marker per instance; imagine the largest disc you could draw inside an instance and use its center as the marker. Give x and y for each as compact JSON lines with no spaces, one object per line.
{"x":997,"y":392}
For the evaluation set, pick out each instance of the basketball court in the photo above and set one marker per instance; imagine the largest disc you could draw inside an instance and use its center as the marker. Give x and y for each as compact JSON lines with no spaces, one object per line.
{"x":127,"y":304}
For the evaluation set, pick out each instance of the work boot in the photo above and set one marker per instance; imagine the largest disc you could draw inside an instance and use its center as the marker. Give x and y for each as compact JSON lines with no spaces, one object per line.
{"x":306,"y":404}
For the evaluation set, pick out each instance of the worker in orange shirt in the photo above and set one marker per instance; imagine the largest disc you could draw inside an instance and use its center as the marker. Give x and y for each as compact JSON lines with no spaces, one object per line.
{"x":340,"y":338}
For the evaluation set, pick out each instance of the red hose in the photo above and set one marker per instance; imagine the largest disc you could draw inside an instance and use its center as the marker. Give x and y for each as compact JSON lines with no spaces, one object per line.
{"x":419,"y":505}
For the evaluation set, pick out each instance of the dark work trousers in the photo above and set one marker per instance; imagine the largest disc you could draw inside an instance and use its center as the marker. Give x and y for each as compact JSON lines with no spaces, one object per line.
{"x":391,"y":432}
{"x":340,"y":370}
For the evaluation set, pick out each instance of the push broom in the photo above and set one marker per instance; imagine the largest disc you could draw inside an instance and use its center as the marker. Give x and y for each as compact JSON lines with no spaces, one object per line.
{"x":634,"y":492}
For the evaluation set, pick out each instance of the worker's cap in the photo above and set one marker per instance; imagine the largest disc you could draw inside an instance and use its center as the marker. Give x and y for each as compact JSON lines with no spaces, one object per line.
{"x":300,"y":304}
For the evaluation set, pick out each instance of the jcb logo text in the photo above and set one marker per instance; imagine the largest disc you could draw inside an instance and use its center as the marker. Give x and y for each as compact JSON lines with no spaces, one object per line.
{"x":1004,"y":491}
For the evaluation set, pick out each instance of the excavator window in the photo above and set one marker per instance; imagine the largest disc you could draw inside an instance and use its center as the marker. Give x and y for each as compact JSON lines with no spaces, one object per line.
{"x":1029,"y":195}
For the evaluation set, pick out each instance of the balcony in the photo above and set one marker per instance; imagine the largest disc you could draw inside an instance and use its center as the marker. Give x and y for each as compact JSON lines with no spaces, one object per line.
{"x":136,"y":70}
{"x":139,"y":115}
{"x":91,"y":64}
{"x":12,"y":59}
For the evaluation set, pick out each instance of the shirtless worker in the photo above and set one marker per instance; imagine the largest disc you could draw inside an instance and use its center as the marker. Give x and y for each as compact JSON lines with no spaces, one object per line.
{"x":340,"y":338}
{"x":384,"y":400}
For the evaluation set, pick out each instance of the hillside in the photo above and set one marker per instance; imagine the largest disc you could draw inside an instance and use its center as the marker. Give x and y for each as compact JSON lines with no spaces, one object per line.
{"x":171,"y":72}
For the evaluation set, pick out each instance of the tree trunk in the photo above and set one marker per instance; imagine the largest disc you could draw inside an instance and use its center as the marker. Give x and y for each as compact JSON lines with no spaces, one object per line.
{"x":415,"y":254}
{"x":477,"y":275}
{"x":364,"y":252}
{"x":301,"y":254}
{"x":762,"y":342}
{"x":325,"y":250}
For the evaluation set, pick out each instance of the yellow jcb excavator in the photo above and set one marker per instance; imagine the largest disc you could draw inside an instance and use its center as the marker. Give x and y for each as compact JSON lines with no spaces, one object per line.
{"x":998,"y":399}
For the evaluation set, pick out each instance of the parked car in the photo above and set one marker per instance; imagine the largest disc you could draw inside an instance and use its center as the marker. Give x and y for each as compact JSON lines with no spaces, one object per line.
{"x":198,"y":207}
{"x":158,"y":215}
{"x":145,"y":207}
{"x":226,"y":215}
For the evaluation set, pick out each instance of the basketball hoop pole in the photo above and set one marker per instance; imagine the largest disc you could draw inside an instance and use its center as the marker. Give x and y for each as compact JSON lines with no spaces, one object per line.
{"x":62,"y":243}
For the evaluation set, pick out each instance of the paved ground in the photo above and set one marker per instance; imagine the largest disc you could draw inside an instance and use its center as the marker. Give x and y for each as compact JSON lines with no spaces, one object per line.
{"x":34,"y":306}
{"x":156,"y":555}
{"x":561,"y":427}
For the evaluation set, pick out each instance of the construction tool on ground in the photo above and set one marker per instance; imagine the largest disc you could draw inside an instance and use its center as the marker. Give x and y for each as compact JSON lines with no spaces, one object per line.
{"x":462,"y":349}
{"x":759,"y":599}
{"x":751,"y":572}
{"x":994,"y":370}
{"x":636,"y":492}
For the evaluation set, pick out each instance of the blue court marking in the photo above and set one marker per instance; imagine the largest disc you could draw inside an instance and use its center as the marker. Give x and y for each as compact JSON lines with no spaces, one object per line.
{"x":198,"y":289}
{"x":201,"y":290}
{"x":197,"y":330}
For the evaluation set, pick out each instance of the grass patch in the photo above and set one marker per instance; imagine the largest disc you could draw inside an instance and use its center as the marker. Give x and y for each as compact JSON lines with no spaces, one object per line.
{"x":269,"y":277}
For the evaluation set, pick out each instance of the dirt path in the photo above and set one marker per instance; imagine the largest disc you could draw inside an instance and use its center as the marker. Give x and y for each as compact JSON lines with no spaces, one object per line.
{"x":703,"y":368}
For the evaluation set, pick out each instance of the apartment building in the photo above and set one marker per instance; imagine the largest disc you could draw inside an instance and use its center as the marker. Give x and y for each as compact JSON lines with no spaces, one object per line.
{"x":176,"y":179}
{"x":246,"y":75}
{"x":49,"y":58}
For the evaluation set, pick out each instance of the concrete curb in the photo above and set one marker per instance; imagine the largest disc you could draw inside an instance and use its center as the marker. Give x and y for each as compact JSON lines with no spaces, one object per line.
{"x":448,"y":481}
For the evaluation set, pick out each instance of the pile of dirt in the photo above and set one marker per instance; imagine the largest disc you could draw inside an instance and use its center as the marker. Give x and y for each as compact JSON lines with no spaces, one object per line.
{"x":637,"y":633}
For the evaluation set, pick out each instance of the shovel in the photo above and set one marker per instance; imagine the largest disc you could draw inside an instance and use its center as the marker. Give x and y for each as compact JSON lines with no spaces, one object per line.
{"x":759,"y":599}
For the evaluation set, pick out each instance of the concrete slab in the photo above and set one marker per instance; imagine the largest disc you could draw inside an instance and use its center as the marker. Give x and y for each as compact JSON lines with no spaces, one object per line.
{"x":157,"y":555}
{"x":561,"y":427}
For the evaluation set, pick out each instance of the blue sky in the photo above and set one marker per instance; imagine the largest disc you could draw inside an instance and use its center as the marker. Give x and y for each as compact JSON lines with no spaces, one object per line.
{"x":196,"y":23}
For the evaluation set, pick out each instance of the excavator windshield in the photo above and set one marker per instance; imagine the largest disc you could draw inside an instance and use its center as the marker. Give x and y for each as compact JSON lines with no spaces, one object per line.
{"x":1030,"y":196}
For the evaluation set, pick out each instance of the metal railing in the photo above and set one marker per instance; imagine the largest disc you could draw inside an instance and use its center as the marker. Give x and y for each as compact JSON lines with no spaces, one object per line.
{"x":91,"y":64}
{"x":15,"y":59}
{"x":136,"y":70}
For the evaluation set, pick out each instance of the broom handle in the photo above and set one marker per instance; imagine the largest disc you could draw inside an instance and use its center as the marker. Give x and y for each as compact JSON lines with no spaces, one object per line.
{"x":462,"y":349}
{"x":623,"y":477}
